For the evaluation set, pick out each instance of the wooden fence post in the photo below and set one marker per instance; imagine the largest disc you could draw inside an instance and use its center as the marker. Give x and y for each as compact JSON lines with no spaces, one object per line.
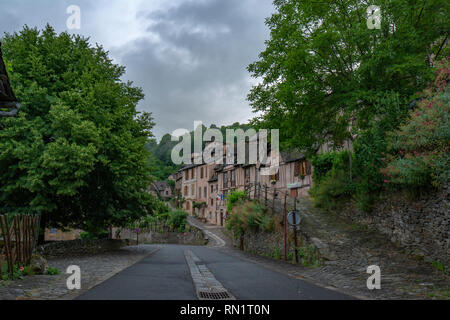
{"x":265,"y":195}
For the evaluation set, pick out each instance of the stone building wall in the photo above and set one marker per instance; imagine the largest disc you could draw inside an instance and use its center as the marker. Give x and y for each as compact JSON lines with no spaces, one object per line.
{"x":421,"y":226}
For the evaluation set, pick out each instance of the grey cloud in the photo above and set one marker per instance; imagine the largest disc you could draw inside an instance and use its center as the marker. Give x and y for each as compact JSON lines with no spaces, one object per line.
{"x":195,"y":70}
{"x":217,"y":39}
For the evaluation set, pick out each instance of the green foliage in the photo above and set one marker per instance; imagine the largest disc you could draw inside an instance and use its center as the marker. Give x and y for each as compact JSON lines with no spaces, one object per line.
{"x":250,"y":216}
{"x":28,"y":271}
{"x":401,"y":148}
{"x":323,"y":67}
{"x":197,"y":205}
{"x":76,"y":152}
{"x":235,"y":197}
{"x":52,"y":271}
{"x":325,"y":162}
{"x":419,"y":152}
{"x":440,"y":266}
{"x":178,"y":219}
{"x":370,"y":147}
{"x":159,"y":154}
{"x":98,"y":234}
{"x":332,"y":180}
{"x":18,"y":272}
{"x":309,"y":257}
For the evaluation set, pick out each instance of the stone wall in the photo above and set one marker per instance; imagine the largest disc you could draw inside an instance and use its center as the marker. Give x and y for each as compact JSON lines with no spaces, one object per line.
{"x":270,"y":244}
{"x":422,"y":226}
{"x":79,"y":247}
{"x":193,"y":237}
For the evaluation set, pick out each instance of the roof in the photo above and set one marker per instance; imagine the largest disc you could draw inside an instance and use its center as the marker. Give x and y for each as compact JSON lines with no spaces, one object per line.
{"x":291,"y":156}
{"x":161,"y":185}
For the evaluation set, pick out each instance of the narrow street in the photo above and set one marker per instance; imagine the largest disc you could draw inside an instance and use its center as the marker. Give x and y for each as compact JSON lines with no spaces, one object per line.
{"x":177,"y":272}
{"x":166,"y":275}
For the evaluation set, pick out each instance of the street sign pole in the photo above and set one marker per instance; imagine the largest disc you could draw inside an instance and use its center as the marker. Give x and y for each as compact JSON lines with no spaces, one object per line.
{"x":295,"y":230}
{"x":285,"y":228}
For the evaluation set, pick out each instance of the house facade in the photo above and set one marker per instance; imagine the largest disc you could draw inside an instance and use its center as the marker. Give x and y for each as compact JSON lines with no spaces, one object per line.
{"x":205,"y":187}
{"x":161,"y":189}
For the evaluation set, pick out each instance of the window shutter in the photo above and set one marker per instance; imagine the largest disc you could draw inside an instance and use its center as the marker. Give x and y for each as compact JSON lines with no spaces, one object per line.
{"x":297,"y":169}
{"x":308,"y":168}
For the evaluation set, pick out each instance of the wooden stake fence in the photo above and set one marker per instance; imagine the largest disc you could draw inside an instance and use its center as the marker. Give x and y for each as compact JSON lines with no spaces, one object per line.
{"x":19,"y":239}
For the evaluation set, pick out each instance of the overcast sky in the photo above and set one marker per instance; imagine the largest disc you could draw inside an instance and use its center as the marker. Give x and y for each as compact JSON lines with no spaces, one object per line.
{"x":189,"y":56}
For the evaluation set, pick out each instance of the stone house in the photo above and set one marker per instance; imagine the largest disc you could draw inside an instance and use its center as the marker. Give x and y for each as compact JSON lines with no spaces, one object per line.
{"x":205,"y":187}
{"x":161,"y":189}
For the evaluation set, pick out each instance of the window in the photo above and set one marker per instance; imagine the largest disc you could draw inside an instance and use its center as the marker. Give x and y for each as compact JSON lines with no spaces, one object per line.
{"x":302,"y":168}
{"x":212,"y":202}
{"x":188,"y":206}
{"x":185,"y":190}
{"x":247,"y":175}
{"x":167,"y":192}
{"x":199,"y":192}
{"x":205,"y":192}
{"x":275,"y":177}
{"x":212,"y":188}
{"x":192,"y":173}
{"x":233,"y":178}
{"x":225,"y":179}
{"x":192,"y":190}
{"x":201,"y":173}
{"x":186,"y":175}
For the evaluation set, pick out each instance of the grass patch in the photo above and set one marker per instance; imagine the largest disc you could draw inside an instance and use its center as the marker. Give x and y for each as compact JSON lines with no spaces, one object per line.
{"x":52,"y":271}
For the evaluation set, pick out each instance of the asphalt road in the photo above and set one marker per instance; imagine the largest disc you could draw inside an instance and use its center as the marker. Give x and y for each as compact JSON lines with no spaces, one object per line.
{"x":165,"y":275}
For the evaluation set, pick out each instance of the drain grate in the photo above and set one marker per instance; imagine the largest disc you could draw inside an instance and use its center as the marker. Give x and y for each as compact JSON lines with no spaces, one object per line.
{"x":214,"y":295}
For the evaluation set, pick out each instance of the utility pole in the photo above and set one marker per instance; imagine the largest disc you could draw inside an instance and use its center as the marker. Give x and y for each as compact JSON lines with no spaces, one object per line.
{"x":295,"y":229}
{"x":285,"y":228}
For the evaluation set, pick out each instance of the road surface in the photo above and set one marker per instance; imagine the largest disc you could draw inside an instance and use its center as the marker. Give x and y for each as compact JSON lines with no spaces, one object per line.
{"x":176,"y":272}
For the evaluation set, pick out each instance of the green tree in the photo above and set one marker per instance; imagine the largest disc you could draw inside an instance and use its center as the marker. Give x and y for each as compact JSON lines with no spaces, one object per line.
{"x":323,"y":67}
{"x":76,"y":152}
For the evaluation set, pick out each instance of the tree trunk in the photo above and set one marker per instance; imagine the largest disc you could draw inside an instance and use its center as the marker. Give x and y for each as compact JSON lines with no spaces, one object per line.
{"x":241,"y":243}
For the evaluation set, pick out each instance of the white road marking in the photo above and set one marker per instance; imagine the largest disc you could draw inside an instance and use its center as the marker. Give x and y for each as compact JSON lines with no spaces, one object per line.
{"x":204,"y":280}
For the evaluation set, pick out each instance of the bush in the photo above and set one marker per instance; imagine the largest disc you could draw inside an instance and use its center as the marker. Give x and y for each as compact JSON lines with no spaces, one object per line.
{"x":235,"y":197}
{"x":335,"y":186}
{"x":250,"y":216}
{"x":96,"y":235}
{"x":419,"y":150}
{"x":52,"y":271}
{"x":332,"y":181}
{"x":178,"y":219}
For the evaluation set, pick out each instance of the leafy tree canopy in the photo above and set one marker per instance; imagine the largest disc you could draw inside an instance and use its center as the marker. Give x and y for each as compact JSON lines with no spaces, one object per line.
{"x":324,"y":68}
{"x":76,"y":152}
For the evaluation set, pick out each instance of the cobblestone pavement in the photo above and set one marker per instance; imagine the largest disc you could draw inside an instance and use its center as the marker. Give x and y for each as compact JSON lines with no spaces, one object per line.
{"x":401,"y":276}
{"x":94,"y":270}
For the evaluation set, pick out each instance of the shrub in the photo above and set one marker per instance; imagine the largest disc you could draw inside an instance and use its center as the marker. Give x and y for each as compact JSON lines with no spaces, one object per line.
{"x":250,"y":216}
{"x":101,"y":234}
{"x":178,"y":220}
{"x":419,"y":150}
{"x":52,"y":271}
{"x":336,"y":185}
{"x":237,"y":196}
{"x":370,"y":147}
{"x":332,"y":180}
{"x":28,"y":271}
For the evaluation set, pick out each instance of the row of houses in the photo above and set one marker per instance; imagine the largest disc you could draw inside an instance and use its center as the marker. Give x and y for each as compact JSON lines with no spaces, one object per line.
{"x":205,"y":187}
